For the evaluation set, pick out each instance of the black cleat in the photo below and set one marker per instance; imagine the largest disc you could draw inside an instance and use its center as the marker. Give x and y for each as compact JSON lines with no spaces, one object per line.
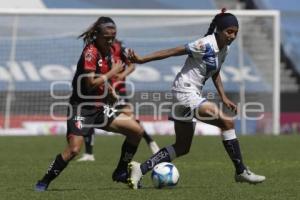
{"x":41,"y":186}
{"x":120,"y":175}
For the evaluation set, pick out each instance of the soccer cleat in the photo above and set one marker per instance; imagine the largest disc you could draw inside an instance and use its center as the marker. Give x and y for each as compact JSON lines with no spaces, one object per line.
{"x":41,"y":186}
{"x":120,"y":175}
{"x":153,"y":147}
{"x":135,"y":175}
{"x":86,"y":157}
{"x":249,"y":177}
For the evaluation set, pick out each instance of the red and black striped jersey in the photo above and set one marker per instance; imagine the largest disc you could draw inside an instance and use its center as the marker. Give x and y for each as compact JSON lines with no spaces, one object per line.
{"x":91,"y":60}
{"x":119,"y":54}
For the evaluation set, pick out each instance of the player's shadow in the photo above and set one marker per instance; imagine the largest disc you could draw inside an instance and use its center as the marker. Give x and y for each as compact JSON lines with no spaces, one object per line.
{"x":115,"y":189}
{"x":166,"y":188}
{"x":63,"y":189}
{"x":56,"y":190}
{"x":112,"y":188}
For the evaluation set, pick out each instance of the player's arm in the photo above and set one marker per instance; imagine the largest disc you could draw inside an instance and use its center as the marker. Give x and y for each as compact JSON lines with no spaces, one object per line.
{"x":95,"y":80}
{"x":157,"y":55}
{"x":219,"y":86}
{"x":128,"y":70}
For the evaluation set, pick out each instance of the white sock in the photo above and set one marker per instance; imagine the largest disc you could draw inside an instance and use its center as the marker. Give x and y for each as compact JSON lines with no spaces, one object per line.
{"x":229,"y":135}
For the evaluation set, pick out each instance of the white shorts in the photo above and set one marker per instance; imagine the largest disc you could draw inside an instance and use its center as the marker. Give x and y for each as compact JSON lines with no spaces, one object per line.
{"x":184,"y":105}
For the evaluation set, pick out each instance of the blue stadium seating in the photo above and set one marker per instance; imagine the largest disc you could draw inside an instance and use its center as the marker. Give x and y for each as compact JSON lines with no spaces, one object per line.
{"x":162,"y":69}
{"x":290,"y":14}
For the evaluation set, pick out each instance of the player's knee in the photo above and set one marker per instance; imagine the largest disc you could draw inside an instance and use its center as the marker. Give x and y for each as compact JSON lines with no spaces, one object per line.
{"x":227,"y":125}
{"x":74,"y":151}
{"x":139,"y":132}
{"x":135,"y":138}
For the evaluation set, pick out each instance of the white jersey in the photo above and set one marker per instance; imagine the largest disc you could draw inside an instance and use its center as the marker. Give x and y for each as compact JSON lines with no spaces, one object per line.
{"x":204,"y":60}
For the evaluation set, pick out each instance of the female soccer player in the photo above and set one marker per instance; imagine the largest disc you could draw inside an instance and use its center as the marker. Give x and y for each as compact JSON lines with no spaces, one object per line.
{"x":122,"y":105}
{"x":90,"y":103}
{"x":205,"y":57}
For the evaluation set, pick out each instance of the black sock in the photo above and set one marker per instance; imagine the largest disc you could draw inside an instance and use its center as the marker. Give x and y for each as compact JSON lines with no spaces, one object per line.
{"x":55,"y":168}
{"x":89,"y":143}
{"x":127,"y":153}
{"x":146,"y":136}
{"x":233,"y":149}
{"x":163,"y":155}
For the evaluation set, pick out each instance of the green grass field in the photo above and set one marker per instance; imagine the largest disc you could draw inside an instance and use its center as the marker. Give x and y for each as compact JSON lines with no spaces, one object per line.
{"x":206,"y":172}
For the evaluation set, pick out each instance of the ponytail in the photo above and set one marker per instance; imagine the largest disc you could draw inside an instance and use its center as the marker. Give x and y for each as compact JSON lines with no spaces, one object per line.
{"x":213,"y":23}
{"x":221,"y":21}
{"x":211,"y":27}
{"x":91,"y":33}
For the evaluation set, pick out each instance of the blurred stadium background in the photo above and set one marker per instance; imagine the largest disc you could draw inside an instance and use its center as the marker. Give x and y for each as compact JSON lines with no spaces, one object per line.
{"x":39,"y":51}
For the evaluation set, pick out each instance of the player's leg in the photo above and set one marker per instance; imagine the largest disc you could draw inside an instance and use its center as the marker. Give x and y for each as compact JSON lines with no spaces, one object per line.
{"x":209,"y":113}
{"x":133,"y":132}
{"x":153,"y":146}
{"x":184,"y":135}
{"x":76,"y":130}
{"x":60,"y":162}
{"x":89,"y":141}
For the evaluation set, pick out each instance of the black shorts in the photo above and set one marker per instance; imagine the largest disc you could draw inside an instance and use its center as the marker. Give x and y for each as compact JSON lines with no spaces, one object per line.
{"x":122,"y":102}
{"x":82,"y":121}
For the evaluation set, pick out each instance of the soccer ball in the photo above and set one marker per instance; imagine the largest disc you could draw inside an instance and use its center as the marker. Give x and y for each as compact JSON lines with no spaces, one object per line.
{"x":164,"y":175}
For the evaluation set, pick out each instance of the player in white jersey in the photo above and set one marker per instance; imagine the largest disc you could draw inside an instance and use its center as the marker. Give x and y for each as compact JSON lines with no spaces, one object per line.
{"x":205,"y":57}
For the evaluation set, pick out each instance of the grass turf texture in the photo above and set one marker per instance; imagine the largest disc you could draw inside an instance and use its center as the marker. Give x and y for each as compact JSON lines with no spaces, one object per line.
{"x":205,"y":173}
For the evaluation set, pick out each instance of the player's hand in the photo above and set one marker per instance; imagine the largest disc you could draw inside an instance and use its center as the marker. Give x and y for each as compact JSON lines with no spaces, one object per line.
{"x":117,"y":66}
{"x":133,"y":57}
{"x":112,"y":96}
{"x":230,"y":105}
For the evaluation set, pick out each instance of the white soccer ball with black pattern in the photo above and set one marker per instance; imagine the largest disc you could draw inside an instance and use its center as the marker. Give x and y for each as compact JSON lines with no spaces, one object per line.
{"x":164,"y":174}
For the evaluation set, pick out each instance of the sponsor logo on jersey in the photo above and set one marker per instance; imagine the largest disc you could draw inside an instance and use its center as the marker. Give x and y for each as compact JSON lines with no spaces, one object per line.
{"x":200,"y":45}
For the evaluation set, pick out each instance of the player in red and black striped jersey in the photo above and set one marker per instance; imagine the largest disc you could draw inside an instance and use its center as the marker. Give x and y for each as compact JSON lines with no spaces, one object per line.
{"x":119,"y":53}
{"x":91,"y":100}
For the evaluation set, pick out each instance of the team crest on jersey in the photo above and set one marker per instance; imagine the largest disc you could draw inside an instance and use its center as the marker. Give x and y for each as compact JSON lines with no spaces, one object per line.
{"x":88,"y":56}
{"x":200,"y":45}
{"x":78,"y":122}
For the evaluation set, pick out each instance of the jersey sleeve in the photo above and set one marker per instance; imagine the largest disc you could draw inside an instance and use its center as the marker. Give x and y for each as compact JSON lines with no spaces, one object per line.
{"x":90,"y":59}
{"x":196,"y":48}
{"x":124,"y":54}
